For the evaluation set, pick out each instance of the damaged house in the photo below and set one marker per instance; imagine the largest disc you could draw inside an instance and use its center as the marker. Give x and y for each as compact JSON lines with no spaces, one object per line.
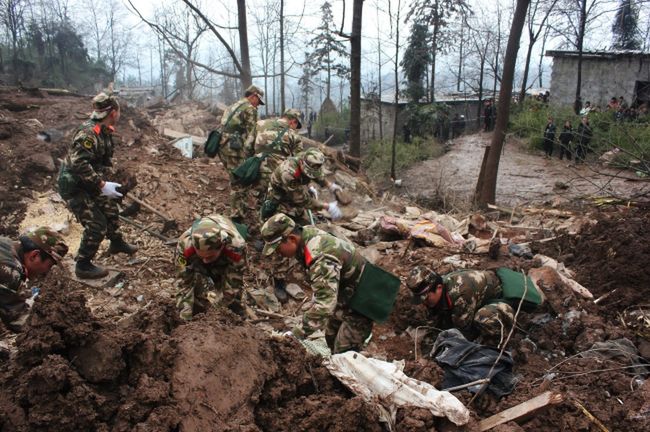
{"x":605,"y":74}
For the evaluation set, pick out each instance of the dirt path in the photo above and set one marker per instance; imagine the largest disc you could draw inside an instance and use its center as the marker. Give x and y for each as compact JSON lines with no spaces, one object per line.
{"x":524,"y":177}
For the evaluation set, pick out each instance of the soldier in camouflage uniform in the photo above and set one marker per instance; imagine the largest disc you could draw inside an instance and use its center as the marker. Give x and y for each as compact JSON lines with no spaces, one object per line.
{"x":82,"y":185}
{"x":276,"y":141}
{"x":210,"y":258}
{"x":239,"y":123}
{"x":32,"y":256}
{"x":463,"y":299}
{"x":333,"y":267}
{"x":288,"y":190}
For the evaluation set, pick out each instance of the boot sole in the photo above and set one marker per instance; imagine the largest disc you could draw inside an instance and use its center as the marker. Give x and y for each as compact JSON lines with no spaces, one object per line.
{"x":83,"y":275}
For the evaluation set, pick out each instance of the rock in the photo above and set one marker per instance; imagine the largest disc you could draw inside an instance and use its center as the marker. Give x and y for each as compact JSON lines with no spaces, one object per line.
{"x":43,"y":161}
{"x":295,"y":291}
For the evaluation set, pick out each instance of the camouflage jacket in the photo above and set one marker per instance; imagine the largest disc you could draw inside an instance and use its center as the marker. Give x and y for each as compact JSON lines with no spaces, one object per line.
{"x":89,"y":155}
{"x":244,"y":123}
{"x":288,"y":188}
{"x":267,"y":133}
{"x":226,"y":270}
{"x":12,"y":279}
{"x":466,"y":291}
{"x":334,"y":267}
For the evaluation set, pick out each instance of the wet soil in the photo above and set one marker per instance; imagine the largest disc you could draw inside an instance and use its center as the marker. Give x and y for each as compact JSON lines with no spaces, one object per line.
{"x":118,"y":359}
{"x":525,"y":177}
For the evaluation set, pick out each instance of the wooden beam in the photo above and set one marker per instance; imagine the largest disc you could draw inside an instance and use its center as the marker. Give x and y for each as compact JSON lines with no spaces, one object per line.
{"x":521,"y":412}
{"x":171,"y":133}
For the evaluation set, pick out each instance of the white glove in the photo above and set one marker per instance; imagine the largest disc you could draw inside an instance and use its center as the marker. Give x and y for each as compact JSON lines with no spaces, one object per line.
{"x":334,"y":210}
{"x":109,"y":190}
{"x":334,"y":187}
{"x":289,"y":333}
{"x":313,"y":192}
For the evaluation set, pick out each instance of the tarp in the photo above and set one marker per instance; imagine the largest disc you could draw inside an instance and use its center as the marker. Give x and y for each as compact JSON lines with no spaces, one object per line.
{"x":385,"y":386}
{"x":465,"y":361}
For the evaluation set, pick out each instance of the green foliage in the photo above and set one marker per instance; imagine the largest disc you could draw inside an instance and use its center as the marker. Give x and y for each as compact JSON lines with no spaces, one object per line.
{"x":54,"y":55}
{"x":332,"y":123}
{"x":425,"y":120}
{"x":415,"y":61}
{"x":378,"y":159}
{"x":329,"y":53}
{"x":626,"y":26}
{"x":631,"y":137}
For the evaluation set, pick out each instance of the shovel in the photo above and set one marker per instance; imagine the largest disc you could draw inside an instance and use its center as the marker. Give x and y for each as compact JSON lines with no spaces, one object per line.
{"x":168,"y":223}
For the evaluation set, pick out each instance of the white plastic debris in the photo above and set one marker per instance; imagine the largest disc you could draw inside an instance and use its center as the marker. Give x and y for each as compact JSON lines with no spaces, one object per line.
{"x":184,"y":144}
{"x":384,"y":385}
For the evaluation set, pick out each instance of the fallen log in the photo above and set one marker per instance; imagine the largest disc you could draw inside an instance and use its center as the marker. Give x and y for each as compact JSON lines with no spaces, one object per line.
{"x":521,"y":412}
{"x":533,"y":211}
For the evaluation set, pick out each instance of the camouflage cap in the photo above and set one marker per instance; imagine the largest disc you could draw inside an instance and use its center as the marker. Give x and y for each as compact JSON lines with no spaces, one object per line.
{"x":208,"y":235}
{"x":294,"y":114}
{"x":49,"y":241}
{"x":420,"y":281}
{"x":255,"y":90}
{"x":274,"y":230}
{"x":103,"y":104}
{"x":312,"y":163}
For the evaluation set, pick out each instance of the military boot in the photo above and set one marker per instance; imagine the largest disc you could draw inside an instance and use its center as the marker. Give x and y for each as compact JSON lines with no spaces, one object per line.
{"x":87,"y":270}
{"x":118,"y":245}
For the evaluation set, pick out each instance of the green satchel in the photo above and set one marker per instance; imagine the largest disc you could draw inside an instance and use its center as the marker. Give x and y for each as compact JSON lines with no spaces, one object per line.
{"x":512,"y":284}
{"x":376,"y":293}
{"x":248,"y":172}
{"x":212,"y":145}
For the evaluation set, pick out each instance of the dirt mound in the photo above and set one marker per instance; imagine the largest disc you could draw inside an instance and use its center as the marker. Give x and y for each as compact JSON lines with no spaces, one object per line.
{"x":611,"y":254}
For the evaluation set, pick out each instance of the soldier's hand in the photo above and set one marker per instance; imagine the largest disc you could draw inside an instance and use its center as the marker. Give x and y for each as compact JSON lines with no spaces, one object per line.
{"x":110,"y":190}
{"x":313,"y":192}
{"x":334,"y":210}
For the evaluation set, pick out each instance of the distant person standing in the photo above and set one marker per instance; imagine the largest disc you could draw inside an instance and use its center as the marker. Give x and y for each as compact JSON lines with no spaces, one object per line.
{"x":566,"y":136}
{"x":583,"y":137}
{"x":489,"y":115}
{"x":549,"y":137}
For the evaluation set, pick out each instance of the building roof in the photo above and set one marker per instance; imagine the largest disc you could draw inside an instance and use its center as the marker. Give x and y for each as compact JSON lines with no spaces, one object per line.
{"x":604,"y":55}
{"x":444,"y":98}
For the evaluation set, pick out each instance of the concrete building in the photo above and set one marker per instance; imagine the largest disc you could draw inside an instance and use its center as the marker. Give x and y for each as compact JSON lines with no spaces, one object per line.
{"x":465,"y":105}
{"x":605,"y":74}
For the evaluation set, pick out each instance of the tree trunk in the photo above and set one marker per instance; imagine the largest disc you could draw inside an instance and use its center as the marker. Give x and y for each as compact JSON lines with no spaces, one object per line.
{"x":282,"y":95}
{"x":393,"y":155}
{"x":541,"y":56}
{"x":524,"y":79}
{"x":246,"y":78}
{"x":488,"y":181}
{"x":460,"y":55}
{"x":355,"y":79}
{"x":480,"y":92}
{"x":434,"y":44}
{"x":577,"y":104}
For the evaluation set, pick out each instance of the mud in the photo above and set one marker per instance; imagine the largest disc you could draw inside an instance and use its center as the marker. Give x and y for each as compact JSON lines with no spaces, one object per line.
{"x":118,"y":359}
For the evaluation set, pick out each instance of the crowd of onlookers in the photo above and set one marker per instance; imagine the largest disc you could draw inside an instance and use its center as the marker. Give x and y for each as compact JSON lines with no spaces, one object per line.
{"x":619,"y":109}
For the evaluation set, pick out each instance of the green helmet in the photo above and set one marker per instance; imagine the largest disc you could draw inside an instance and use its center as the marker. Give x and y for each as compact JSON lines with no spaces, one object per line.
{"x":211,"y":233}
{"x":103,"y":104}
{"x":312,"y":163}
{"x":255,"y":90}
{"x":420,"y":281}
{"x":294,"y":114}
{"x":274,"y":230}
{"x":48,"y":241}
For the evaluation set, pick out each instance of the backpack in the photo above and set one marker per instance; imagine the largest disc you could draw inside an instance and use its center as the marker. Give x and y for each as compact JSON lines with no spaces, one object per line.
{"x":212,"y":145}
{"x":249,"y":171}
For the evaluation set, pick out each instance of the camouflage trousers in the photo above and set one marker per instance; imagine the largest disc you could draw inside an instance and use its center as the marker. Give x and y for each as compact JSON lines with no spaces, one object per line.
{"x":239,"y":195}
{"x":347,"y":330}
{"x":495,"y":319}
{"x":100,"y":218}
{"x":198,"y":293}
{"x":13,"y":309}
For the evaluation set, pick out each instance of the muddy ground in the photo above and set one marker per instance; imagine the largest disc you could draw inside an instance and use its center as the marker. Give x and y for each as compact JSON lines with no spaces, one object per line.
{"x":118,"y":359}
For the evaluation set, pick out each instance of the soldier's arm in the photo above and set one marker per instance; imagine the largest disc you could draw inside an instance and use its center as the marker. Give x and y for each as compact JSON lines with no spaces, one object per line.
{"x":324,"y":275}
{"x":248,"y":119}
{"x":82,"y":152}
{"x":234,"y":277}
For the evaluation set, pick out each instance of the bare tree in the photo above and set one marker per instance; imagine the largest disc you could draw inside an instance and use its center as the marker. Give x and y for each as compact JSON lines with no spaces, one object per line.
{"x":13,"y":19}
{"x":395,"y":22}
{"x":535,"y":27}
{"x":487,"y":181}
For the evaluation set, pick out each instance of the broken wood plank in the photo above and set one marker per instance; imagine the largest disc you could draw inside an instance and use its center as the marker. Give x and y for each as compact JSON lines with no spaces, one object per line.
{"x":521,"y":412}
{"x":166,"y":240}
{"x":171,"y":133}
{"x":533,"y":211}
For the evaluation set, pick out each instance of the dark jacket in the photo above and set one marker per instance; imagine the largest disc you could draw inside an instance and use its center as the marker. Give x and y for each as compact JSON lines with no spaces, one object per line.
{"x":567,"y":135}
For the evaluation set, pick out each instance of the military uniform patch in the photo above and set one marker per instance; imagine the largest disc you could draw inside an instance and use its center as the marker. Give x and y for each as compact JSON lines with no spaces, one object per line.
{"x":182,"y":261}
{"x":88,"y":143}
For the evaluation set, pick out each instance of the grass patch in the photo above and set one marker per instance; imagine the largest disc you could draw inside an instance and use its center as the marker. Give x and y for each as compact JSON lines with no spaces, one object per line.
{"x":631,"y":137}
{"x":378,"y":159}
